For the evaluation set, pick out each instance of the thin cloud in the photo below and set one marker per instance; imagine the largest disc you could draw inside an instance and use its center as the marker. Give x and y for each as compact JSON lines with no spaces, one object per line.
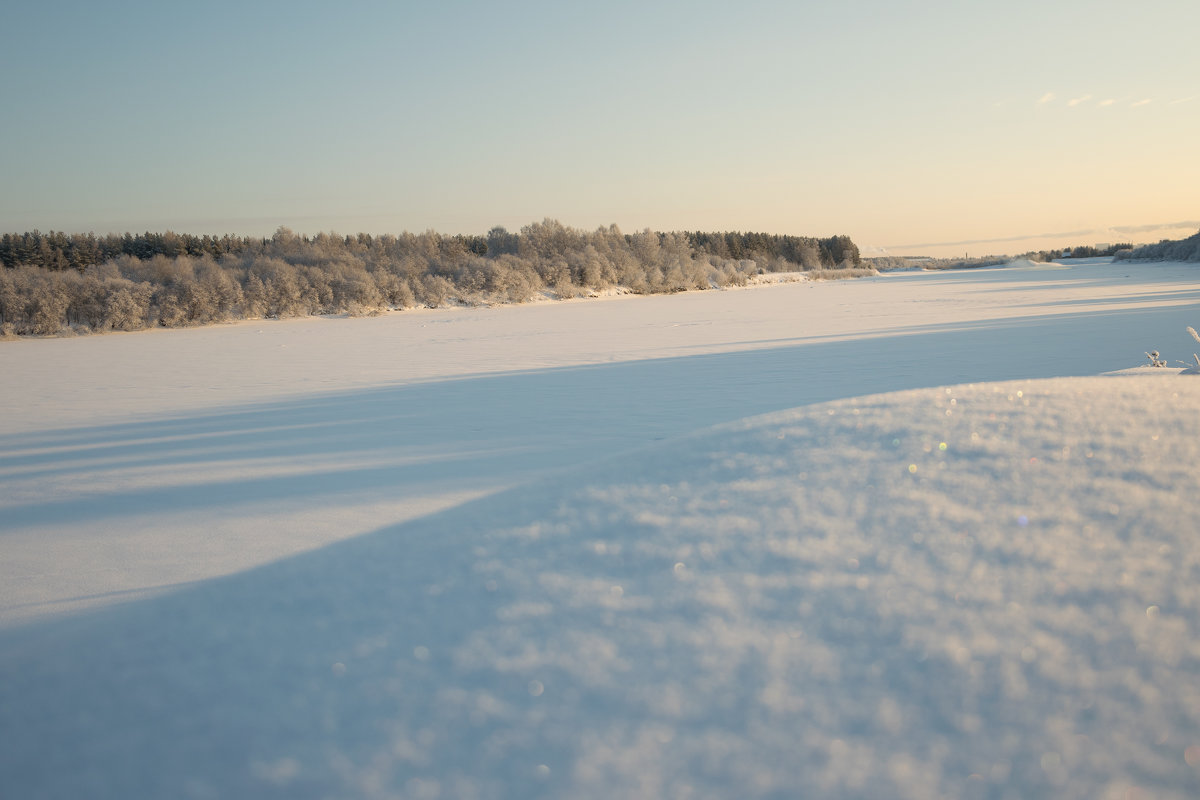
{"x":1001,"y":240}
{"x":1145,"y":102}
{"x":1159,"y":227}
{"x":1183,"y":100}
{"x":1106,"y":103}
{"x":1077,"y":100}
{"x":1046,"y":98}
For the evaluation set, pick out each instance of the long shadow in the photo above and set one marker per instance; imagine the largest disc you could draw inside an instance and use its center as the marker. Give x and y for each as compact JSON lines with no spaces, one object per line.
{"x":495,"y":430}
{"x":1154,"y":298}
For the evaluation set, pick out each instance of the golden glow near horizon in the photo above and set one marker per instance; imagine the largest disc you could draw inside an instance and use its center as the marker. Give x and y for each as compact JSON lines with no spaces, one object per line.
{"x":916,"y":128}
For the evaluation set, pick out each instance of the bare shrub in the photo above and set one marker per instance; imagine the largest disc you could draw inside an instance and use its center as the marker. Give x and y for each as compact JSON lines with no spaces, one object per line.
{"x":841,"y":274}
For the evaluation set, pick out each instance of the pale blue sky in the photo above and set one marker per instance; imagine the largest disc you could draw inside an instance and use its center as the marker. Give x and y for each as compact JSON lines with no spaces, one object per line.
{"x":950,"y":126}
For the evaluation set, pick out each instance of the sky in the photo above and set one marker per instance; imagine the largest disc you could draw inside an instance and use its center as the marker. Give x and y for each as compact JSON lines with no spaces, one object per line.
{"x":936,"y":128}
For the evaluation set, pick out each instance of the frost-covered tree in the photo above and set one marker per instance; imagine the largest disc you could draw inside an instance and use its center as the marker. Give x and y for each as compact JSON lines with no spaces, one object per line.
{"x":123,"y":282}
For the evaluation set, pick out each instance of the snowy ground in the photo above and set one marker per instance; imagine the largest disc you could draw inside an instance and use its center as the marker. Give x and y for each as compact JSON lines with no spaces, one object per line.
{"x":442,"y":553}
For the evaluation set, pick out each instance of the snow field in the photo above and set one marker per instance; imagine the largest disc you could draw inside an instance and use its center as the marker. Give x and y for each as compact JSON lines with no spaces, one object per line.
{"x":133,"y":463}
{"x":975,"y":590}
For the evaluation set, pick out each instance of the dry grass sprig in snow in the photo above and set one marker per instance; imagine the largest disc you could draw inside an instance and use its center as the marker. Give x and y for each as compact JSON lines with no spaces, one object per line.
{"x":1196,"y":369}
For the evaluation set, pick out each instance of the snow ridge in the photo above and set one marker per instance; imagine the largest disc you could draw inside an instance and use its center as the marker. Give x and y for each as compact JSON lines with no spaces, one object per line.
{"x":983,"y":590}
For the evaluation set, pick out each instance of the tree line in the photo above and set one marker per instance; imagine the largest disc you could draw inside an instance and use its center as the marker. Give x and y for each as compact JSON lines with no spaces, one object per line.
{"x":1166,"y":250}
{"x":59,"y":251}
{"x":1078,"y":251}
{"x":54,"y":281}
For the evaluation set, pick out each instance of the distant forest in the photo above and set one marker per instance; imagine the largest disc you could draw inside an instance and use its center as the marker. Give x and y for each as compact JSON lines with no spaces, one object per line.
{"x":56,"y":282}
{"x":1079,"y":251}
{"x":1167,"y":250}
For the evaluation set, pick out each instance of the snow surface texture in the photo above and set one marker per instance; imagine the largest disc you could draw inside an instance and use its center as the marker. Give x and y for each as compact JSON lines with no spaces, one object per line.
{"x":985,"y":590}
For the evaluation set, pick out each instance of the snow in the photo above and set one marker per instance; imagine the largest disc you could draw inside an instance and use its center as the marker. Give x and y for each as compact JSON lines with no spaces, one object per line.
{"x":899,"y":536}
